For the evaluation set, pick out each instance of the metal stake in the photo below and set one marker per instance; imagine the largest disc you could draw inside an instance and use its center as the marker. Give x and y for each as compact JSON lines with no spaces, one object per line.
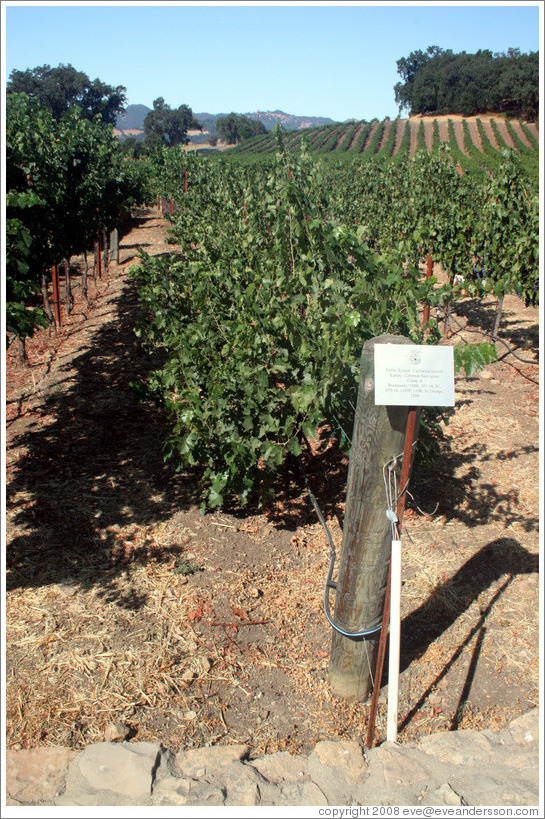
{"x":403,"y":484}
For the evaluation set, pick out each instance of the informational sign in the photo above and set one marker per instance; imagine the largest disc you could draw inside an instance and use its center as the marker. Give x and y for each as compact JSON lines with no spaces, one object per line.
{"x":414,"y":375}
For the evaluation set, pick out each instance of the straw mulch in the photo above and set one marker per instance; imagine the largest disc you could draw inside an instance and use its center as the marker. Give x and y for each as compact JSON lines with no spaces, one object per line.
{"x":125,"y":605}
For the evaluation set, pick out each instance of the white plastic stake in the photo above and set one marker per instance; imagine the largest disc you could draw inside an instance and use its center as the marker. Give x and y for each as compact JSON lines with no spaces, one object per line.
{"x":395,"y":633}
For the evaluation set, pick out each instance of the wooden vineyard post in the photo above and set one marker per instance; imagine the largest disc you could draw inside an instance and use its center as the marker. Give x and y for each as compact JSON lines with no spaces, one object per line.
{"x":114,"y":246}
{"x":378,"y":437}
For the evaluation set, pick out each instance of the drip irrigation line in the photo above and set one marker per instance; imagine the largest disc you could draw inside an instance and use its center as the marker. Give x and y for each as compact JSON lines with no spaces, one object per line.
{"x":330,"y":583}
{"x":392,"y":496}
{"x":510,"y":350}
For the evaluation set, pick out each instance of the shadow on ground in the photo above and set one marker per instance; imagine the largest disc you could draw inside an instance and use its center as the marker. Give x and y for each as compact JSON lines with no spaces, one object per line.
{"x":94,"y":464}
{"x":481,"y":315}
{"x":500,"y":561}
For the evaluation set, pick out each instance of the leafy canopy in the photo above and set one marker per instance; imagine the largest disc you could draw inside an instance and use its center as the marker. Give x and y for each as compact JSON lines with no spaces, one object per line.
{"x":441,"y":82}
{"x":234,"y":128}
{"x":62,"y":88}
{"x":169,"y":126}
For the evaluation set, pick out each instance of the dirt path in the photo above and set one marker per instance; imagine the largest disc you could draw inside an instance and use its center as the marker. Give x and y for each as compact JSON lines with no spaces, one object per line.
{"x":108,"y":620}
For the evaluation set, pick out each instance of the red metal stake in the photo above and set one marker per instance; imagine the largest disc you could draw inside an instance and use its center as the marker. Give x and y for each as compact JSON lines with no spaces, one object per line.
{"x":56,"y":299}
{"x":426,"y":314}
{"x":98,"y":261}
{"x":403,"y":484}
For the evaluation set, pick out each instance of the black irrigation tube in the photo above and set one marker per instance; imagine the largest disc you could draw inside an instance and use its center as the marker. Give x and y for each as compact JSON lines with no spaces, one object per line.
{"x":330,"y":583}
{"x":494,"y":338}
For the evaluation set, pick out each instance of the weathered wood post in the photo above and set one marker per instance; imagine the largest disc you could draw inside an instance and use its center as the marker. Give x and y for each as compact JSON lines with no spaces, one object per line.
{"x":378,"y":436}
{"x":114,"y":246}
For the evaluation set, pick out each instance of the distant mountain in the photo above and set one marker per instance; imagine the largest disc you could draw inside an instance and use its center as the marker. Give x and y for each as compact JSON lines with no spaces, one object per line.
{"x":133,"y":118}
{"x":289,"y":121}
{"x":269,"y":119}
{"x":132,"y":121}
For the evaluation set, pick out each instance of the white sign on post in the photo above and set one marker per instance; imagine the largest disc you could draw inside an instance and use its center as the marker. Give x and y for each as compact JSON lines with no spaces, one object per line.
{"x":416,"y":375}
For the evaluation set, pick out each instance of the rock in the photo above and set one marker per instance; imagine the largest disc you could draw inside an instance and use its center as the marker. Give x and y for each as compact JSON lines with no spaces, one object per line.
{"x":245,"y":786}
{"x":116,"y":732}
{"x":188,"y":675}
{"x":126,"y":769}
{"x":37,"y":774}
{"x":291,"y":775}
{"x":400,"y":765}
{"x":338,"y":769}
{"x":445,"y":795}
{"x":195,"y":763}
{"x":282,"y":767}
{"x":460,"y":747}
{"x":518,"y":796}
{"x":68,"y":591}
{"x":175,"y":791}
{"x":525,"y":729}
{"x":452,"y":769}
{"x":227,"y":779}
{"x":305,"y":793}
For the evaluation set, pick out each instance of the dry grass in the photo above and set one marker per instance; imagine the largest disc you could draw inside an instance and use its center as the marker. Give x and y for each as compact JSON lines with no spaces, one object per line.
{"x":106,"y":620}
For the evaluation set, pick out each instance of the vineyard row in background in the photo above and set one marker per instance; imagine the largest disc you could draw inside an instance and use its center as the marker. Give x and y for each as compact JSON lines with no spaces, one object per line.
{"x":476,"y":143}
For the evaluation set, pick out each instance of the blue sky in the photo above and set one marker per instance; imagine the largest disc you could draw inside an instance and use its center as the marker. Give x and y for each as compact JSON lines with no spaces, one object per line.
{"x":318,"y":59}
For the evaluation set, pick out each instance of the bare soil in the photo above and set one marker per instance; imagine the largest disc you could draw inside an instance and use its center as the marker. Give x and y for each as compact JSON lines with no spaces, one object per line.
{"x":124,"y":603}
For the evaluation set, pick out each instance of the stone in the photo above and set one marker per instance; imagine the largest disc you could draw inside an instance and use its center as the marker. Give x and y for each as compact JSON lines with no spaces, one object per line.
{"x":398,"y":763}
{"x":448,"y":769}
{"x":340,"y":754}
{"x":459,"y":747}
{"x":64,"y":588}
{"x":444,"y":795}
{"x":305,"y":793}
{"x":244,"y":786}
{"x":282,"y":767}
{"x":126,"y":769}
{"x":175,"y":791}
{"x":116,"y":732}
{"x":37,"y":774}
{"x":520,"y":796}
{"x":338,"y":768}
{"x":525,"y":729}
{"x":199,"y":760}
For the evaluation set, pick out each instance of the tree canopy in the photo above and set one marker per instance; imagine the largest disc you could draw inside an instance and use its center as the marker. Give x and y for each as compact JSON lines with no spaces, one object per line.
{"x":169,"y":126}
{"x":437,"y":81}
{"x":235,"y":127}
{"x":62,"y":88}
